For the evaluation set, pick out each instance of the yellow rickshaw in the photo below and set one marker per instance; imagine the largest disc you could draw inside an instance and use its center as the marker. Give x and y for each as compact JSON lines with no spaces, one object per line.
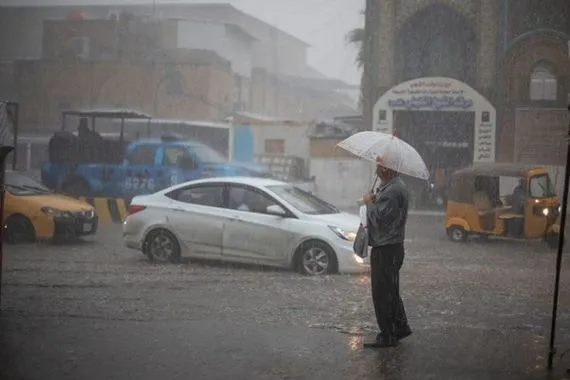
{"x":480,"y":202}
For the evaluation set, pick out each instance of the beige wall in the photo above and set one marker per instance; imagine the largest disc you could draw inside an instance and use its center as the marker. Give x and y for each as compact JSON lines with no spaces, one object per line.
{"x":45,"y":88}
{"x":107,"y":38}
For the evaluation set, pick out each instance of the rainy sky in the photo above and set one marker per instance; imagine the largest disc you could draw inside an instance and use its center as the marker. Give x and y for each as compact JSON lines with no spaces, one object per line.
{"x":322,"y":23}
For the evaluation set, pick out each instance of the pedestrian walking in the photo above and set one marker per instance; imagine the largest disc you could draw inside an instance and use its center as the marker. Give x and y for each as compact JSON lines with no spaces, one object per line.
{"x":387,"y":213}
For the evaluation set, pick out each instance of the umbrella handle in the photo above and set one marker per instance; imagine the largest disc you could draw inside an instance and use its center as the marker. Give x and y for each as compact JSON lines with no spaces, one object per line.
{"x":374,"y":184}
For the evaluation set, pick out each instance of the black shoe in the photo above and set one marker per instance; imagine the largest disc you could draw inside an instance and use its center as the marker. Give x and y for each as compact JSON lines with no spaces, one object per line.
{"x":381,"y":342}
{"x":400,"y":334}
{"x":404,"y":333}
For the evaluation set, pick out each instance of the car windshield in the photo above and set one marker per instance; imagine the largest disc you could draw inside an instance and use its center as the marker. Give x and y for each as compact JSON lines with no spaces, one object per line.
{"x":208,"y":155}
{"x":541,"y":187}
{"x":18,"y":184}
{"x":303,"y":201}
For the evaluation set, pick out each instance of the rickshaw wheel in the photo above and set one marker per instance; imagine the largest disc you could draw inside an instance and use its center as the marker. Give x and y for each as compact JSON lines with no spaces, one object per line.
{"x":457,"y":234}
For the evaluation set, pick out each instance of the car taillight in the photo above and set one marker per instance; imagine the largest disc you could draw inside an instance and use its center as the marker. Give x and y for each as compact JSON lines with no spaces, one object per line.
{"x":133,"y":209}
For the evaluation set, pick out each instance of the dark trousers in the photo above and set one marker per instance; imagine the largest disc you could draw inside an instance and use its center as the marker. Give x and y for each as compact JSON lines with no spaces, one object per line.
{"x":385,"y":264}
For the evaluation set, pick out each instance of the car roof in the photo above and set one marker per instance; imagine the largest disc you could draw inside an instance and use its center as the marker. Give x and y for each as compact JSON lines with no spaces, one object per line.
{"x":252,"y":181}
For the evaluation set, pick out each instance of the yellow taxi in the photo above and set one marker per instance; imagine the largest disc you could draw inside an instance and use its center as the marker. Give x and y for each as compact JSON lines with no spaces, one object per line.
{"x":33,"y":212}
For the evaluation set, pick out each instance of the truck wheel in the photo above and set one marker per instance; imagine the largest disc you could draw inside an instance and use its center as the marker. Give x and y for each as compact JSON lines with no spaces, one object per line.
{"x":76,"y":188}
{"x":457,"y":234}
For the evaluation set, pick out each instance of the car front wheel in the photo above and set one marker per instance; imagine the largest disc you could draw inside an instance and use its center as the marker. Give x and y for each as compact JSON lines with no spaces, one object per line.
{"x":315,"y":258}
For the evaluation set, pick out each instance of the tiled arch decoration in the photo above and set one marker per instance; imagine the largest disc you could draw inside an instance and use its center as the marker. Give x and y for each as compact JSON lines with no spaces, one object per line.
{"x":405,"y":9}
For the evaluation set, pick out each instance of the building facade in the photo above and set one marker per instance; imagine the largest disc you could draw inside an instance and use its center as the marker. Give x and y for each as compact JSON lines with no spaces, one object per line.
{"x":476,"y":80}
{"x":267,"y":66}
{"x":273,"y":50}
{"x":170,"y":83}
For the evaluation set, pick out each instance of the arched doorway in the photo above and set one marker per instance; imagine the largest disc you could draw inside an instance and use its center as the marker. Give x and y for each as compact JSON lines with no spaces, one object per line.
{"x":437,"y":41}
{"x":447,"y":121}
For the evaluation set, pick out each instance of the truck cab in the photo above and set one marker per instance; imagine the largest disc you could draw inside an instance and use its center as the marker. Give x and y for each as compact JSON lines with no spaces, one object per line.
{"x":153,"y":165}
{"x":146,"y":167}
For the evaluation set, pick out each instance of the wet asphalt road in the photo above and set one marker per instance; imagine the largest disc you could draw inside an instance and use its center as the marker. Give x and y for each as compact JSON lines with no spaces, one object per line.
{"x":95,"y":310}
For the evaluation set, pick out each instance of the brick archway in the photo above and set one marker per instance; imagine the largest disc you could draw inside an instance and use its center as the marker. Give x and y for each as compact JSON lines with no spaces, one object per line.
{"x":407,"y":9}
{"x":523,"y":56}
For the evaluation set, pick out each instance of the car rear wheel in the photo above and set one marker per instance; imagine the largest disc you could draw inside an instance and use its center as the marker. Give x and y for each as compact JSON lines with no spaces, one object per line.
{"x":19,"y":229}
{"x":315,"y":258}
{"x":161,"y":246}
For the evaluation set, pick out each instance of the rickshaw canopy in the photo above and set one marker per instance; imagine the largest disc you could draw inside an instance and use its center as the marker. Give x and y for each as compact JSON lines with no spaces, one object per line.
{"x":462,"y":184}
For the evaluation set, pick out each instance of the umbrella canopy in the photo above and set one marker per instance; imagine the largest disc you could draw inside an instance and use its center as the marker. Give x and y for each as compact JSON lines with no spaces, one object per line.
{"x":388,"y":150}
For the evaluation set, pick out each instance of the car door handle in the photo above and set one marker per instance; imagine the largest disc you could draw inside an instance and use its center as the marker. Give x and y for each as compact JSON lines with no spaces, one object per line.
{"x":176,"y":209}
{"x":235,"y":217}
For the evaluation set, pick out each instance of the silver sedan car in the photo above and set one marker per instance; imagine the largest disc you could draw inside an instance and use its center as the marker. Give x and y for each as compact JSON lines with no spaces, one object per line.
{"x":248,"y":220}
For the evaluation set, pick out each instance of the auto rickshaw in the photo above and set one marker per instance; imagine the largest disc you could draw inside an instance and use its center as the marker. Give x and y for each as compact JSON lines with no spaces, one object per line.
{"x":478,"y":205}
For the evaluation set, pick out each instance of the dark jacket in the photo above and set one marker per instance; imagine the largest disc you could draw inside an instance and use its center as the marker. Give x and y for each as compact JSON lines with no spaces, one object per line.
{"x":387,"y":216}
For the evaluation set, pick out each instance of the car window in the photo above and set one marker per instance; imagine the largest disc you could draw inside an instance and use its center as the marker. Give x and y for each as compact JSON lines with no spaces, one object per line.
{"x":211,"y":195}
{"x":173,"y":155}
{"x":302,"y":200}
{"x":142,"y":155}
{"x":247,"y":199}
{"x":207,"y":154}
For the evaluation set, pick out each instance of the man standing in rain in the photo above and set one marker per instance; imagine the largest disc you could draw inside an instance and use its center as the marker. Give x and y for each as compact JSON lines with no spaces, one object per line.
{"x":387,"y":213}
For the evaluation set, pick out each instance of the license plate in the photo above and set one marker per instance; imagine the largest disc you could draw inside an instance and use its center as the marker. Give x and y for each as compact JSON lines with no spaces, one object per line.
{"x":87,"y":227}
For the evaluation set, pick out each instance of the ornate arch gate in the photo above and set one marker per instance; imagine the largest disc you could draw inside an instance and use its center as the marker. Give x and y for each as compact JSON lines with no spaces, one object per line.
{"x":440,"y":94}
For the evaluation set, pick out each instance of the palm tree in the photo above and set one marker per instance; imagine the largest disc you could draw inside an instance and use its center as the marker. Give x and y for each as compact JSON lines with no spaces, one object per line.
{"x":366,"y":39}
{"x":356,"y":37}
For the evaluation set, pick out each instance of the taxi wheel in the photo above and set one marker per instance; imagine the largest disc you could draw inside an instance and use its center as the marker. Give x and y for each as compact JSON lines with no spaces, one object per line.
{"x":457,"y":234}
{"x":19,"y":229}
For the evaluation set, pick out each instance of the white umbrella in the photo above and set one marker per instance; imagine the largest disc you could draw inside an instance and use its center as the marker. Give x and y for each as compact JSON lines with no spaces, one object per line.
{"x":391,"y":152}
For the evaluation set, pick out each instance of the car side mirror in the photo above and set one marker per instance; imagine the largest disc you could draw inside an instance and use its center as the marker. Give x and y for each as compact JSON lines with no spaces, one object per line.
{"x":276,"y":210}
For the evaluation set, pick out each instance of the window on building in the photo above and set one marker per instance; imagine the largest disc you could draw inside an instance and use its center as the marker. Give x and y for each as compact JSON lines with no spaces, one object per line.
{"x":275,"y":146}
{"x":543,"y":85}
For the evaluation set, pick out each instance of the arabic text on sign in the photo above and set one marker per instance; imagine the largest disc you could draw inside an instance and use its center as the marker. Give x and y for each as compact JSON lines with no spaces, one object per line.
{"x":432,"y":102}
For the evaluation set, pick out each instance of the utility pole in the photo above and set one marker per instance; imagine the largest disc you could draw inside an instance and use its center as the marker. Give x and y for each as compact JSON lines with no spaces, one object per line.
{"x":370,"y":72}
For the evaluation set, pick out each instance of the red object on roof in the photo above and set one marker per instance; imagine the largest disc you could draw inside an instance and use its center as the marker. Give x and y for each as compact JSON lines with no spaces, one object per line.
{"x":75,"y":15}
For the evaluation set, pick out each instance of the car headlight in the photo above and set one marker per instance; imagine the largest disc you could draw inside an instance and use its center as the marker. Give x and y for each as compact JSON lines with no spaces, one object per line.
{"x":545,"y":211}
{"x":559,"y":209}
{"x":345,"y":235}
{"x":53,"y":212}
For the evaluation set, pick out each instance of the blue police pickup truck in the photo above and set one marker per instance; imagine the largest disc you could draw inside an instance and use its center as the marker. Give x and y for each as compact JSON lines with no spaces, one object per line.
{"x":97,"y":167}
